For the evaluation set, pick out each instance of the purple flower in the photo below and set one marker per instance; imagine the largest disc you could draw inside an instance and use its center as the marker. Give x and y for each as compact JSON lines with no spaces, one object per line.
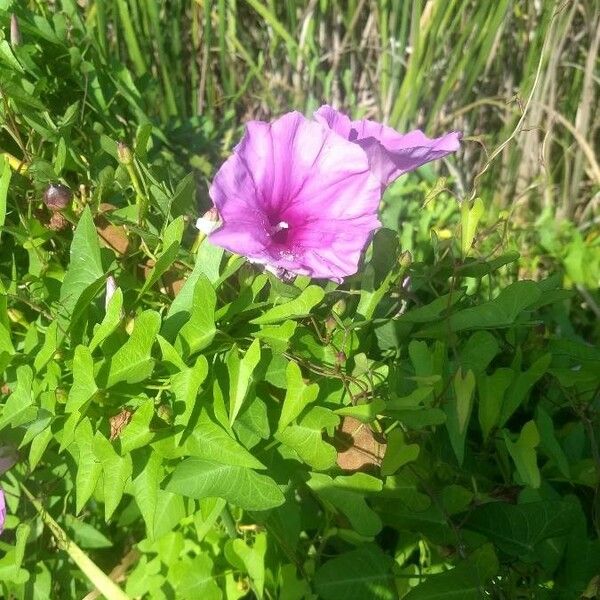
{"x":298,"y":198}
{"x":2,"y":510}
{"x":301,"y":196}
{"x":390,"y":153}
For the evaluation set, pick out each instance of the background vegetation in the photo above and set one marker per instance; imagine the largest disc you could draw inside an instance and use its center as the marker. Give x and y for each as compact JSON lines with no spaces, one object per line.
{"x":424,"y":438}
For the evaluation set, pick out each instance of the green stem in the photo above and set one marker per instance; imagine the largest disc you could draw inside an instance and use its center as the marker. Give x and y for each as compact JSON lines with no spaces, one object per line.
{"x":140,"y":197}
{"x":97,"y":577}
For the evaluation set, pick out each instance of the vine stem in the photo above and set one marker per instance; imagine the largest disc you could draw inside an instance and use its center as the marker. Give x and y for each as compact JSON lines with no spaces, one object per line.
{"x":97,"y":577}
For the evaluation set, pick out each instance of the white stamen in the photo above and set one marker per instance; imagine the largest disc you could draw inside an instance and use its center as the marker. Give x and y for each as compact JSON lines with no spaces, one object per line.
{"x":281,"y":225}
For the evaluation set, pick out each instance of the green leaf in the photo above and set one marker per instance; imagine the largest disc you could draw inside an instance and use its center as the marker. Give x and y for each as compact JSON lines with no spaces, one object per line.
{"x":524,"y":455}
{"x":240,"y":376}
{"x":146,"y":488}
{"x":365,"y":413}
{"x":458,"y":412}
{"x":49,"y":347}
{"x":19,"y":408}
{"x":307,"y":441}
{"x":491,"y":390}
{"x":277,"y":336}
{"x":137,"y":433}
{"x":341,"y":495}
{"x":466,"y":581}
{"x":171,"y":241}
{"x":82,"y":391}
{"x":549,"y":443}
{"x":209,"y":440}
{"x":500,"y":312}
{"x":298,"y":307}
{"x":433,"y":310}
{"x":207,"y":264}
{"x":517,"y":529}
{"x":132,"y":362}
{"x":412,"y":400}
{"x":478,"y":352}
{"x":199,"y":478}
{"x":185,"y":386}
{"x":521,"y":386}
{"x":193,"y":578}
{"x":89,"y":467}
{"x":470,"y":216}
{"x":85,"y":534}
{"x":298,"y":395}
{"x":357,"y":575}
{"x":398,"y":453}
{"x":199,"y":330}
{"x":170,"y":510}
{"x":116,"y":473}
{"x":85,"y":267}
{"x":5,"y":175}
{"x":252,"y":559}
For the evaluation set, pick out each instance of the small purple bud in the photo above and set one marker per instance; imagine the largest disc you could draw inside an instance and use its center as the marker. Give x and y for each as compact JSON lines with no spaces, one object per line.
{"x":57,"y":196}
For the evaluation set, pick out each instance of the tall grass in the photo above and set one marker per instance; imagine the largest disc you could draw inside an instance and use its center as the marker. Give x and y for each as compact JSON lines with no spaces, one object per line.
{"x":523,"y":71}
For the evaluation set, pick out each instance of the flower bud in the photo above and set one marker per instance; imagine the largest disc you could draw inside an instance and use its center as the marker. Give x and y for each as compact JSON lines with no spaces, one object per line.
{"x":111,"y":288}
{"x":339,"y":308}
{"x":124,"y":154}
{"x":405,"y":259}
{"x":209,"y":221}
{"x":57,"y":222}
{"x":340,"y":357}
{"x":165,"y":412}
{"x":15,"y":31}
{"x":57,"y":196}
{"x":330,"y":324}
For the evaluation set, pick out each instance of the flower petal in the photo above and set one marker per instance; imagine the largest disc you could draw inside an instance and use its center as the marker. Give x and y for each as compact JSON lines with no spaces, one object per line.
{"x":334,"y":252}
{"x":390,"y":153}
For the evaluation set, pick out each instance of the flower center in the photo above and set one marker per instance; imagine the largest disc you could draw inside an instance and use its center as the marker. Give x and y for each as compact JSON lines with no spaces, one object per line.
{"x":279,"y":232}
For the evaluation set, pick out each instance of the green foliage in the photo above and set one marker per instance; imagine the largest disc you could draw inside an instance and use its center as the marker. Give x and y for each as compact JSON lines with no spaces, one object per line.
{"x":428,"y":429}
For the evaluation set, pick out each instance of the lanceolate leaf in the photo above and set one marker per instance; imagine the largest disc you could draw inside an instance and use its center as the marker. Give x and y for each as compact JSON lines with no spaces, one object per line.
{"x":297,"y":396}
{"x":362,"y":573}
{"x":199,"y":330}
{"x":466,"y":581}
{"x":518,"y":529}
{"x":307,"y":441}
{"x":85,"y":267}
{"x":132,"y":362}
{"x":200,"y":478}
{"x":298,"y":307}
{"x":240,"y":374}
{"x":210,"y":441}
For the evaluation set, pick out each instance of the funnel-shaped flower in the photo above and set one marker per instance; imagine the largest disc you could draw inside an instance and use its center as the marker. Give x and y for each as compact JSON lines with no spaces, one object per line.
{"x":390,"y":153}
{"x":297,"y":197}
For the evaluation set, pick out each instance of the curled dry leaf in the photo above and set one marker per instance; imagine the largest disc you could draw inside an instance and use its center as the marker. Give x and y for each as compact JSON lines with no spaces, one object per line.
{"x":118,"y":422}
{"x":359,"y":447}
{"x":114,"y":236}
